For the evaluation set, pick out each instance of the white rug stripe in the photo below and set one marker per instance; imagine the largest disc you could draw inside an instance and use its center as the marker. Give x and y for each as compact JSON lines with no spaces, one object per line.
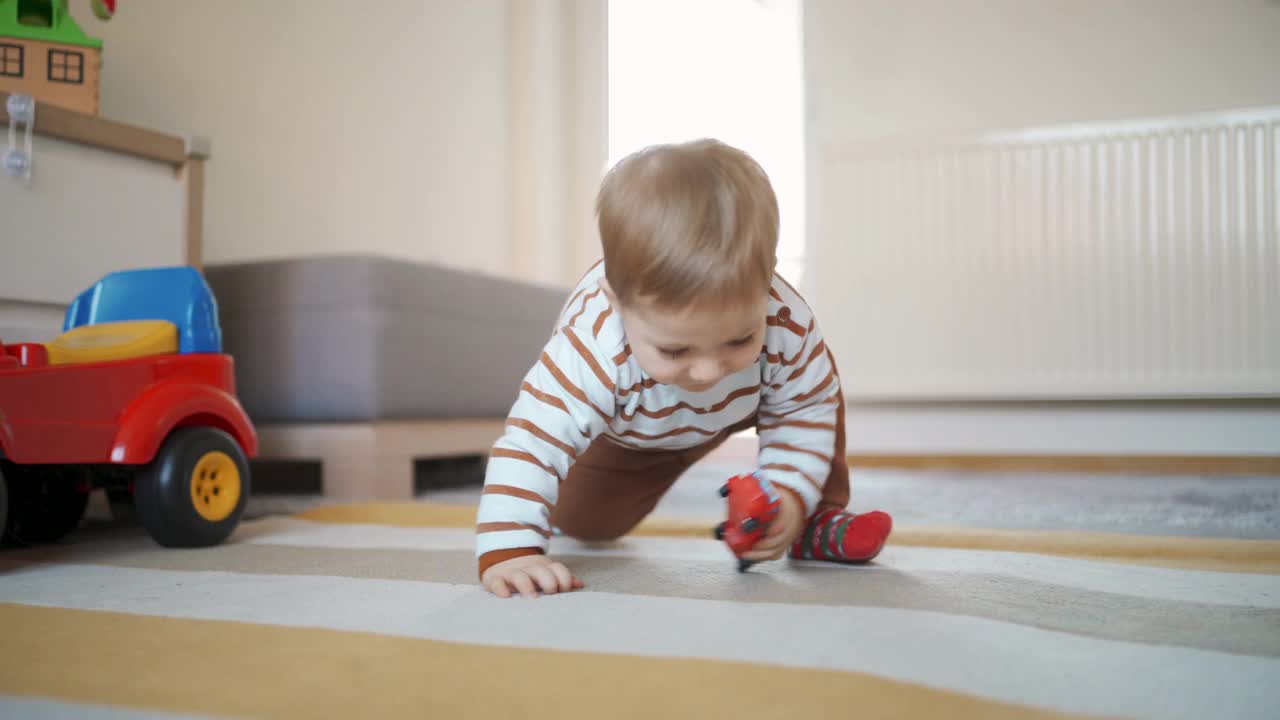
{"x":43,"y":709}
{"x":991,"y":659}
{"x":1191,"y":586}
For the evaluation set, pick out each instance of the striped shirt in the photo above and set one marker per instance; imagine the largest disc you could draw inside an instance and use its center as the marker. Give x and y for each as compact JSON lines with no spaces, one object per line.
{"x":587,"y":384}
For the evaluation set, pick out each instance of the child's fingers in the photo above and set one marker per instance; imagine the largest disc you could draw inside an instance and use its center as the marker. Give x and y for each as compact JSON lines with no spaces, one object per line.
{"x":524,"y":584}
{"x":545,"y":579}
{"x":578,"y":584}
{"x":563,"y":577}
{"x":498,"y":586}
{"x":769,"y":548}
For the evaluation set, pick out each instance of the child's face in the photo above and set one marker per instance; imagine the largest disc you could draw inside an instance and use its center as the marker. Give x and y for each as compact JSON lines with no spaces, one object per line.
{"x":696,"y":347}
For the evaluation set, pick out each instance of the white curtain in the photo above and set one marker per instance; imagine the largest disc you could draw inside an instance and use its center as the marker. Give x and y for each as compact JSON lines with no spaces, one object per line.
{"x":558,"y":129}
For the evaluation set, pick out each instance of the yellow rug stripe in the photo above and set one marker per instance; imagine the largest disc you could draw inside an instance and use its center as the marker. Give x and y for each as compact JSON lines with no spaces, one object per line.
{"x":231,"y":668}
{"x":1219,"y":554}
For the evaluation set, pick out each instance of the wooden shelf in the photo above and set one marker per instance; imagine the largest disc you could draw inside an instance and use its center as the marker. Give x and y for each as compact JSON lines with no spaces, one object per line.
{"x":57,"y":122}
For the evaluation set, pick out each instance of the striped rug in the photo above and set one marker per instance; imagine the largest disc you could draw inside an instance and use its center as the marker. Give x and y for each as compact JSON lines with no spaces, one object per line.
{"x":372,"y":611}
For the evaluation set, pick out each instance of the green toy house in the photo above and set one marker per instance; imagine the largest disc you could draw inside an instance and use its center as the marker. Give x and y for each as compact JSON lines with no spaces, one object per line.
{"x":45,"y":54}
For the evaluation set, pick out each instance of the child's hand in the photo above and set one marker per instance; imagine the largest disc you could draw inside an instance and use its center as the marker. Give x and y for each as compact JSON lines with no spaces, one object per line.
{"x":782,"y":532}
{"x":526,"y":574}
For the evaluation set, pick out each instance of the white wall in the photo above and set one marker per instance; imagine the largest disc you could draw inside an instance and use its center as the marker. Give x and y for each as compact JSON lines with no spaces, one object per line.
{"x":1159,"y":429}
{"x":335,"y":126}
{"x":883,"y":67}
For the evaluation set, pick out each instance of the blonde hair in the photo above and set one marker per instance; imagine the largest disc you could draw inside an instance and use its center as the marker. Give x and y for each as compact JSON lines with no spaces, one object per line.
{"x":683,"y":222}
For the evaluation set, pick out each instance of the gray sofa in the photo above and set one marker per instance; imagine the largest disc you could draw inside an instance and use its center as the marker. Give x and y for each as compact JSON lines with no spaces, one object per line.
{"x":372,"y":365}
{"x":359,"y":338}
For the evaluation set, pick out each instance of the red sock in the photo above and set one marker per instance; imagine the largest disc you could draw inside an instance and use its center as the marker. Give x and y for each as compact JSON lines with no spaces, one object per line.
{"x":840,"y":536}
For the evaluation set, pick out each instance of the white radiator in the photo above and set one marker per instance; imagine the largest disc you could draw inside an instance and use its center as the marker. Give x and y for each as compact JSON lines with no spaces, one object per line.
{"x":1139,"y":260}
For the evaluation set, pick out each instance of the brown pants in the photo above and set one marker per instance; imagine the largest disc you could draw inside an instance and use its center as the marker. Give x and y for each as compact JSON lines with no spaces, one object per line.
{"x":611,"y":488}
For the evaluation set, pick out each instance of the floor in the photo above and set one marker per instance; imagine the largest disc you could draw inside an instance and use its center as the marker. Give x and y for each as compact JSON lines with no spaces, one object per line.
{"x":361,"y":606}
{"x":1234,"y":507}
{"x":1245,"y":507}
{"x":946,"y":630}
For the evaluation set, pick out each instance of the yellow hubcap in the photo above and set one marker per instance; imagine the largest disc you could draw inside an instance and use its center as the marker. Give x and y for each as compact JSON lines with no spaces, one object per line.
{"x":215,"y":486}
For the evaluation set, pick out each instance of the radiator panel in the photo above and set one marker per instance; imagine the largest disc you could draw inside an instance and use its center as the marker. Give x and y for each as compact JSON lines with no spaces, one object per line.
{"x":1137,"y":260}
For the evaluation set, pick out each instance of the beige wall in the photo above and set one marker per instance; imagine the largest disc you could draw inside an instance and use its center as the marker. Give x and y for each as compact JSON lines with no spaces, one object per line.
{"x":335,"y":126}
{"x":557,"y":58}
{"x":885,"y":67}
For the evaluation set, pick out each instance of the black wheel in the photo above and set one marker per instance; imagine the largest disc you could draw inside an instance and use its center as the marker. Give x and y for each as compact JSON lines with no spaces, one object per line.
{"x":194,"y":491}
{"x":720,"y":531}
{"x":749,"y":525}
{"x":4,"y":503}
{"x":724,"y":490}
{"x":44,"y":502}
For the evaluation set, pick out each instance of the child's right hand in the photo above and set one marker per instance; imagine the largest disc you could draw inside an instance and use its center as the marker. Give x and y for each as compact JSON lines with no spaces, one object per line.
{"x":526,"y":574}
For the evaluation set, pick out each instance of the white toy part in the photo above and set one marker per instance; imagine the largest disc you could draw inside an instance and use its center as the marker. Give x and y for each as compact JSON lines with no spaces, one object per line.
{"x":17,"y":160}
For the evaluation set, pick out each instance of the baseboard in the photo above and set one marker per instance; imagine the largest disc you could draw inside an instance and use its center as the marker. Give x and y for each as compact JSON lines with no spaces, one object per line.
{"x":1097,"y":464}
{"x":1184,"y":430}
{"x":22,"y":321}
{"x":1174,"y":438}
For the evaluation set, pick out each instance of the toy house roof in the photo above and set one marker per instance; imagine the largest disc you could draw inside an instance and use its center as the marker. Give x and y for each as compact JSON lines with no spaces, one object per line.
{"x":42,"y":20}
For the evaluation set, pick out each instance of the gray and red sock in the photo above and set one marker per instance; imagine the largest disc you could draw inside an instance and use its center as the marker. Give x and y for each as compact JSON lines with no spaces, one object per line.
{"x":840,"y":536}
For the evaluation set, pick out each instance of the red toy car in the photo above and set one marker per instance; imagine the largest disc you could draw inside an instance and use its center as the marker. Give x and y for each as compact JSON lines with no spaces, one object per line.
{"x":140,"y":407}
{"x":753,"y":504}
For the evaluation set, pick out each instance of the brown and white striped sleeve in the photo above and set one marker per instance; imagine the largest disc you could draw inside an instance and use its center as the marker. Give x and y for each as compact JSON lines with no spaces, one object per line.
{"x":565,"y":401}
{"x":798,"y":408}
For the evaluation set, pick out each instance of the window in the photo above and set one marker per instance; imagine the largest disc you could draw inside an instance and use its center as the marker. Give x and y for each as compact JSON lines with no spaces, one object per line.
{"x":10,"y":60}
{"x":35,"y":13}
{"x":66,"y":66}
{"x":730,"y":69}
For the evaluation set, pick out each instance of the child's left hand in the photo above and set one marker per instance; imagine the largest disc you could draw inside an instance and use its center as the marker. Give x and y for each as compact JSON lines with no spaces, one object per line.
{"x":782,"y":532}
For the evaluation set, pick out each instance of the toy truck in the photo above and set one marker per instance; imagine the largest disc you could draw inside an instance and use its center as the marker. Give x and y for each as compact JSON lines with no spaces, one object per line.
{"x":753,"y":503}
{"x":134,"y":397}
